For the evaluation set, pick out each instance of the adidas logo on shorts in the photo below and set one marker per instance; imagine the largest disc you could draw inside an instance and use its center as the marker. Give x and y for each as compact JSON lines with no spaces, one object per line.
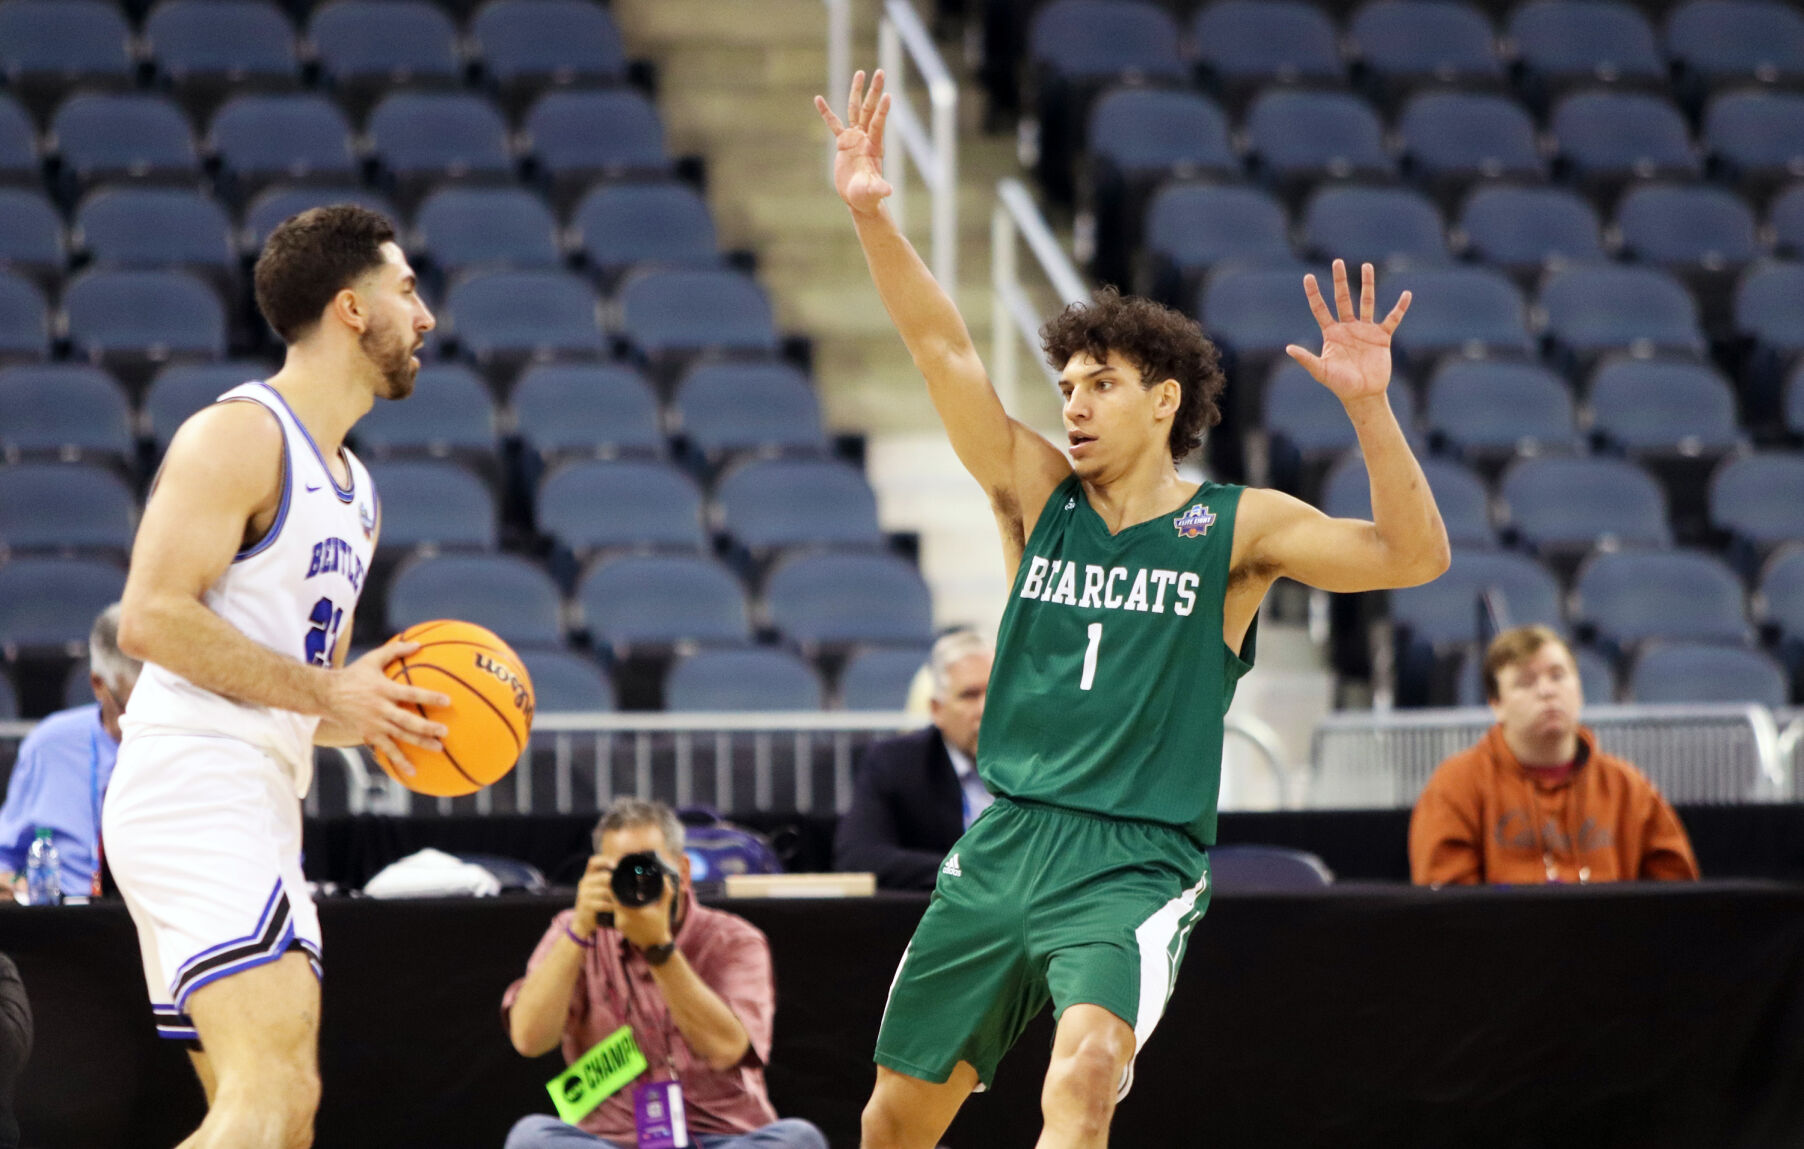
{"x":951,"y":867}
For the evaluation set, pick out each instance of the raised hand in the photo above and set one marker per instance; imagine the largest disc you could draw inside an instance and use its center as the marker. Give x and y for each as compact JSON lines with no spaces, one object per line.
{"x":858,"y":163}
{"x":1356,"y":353}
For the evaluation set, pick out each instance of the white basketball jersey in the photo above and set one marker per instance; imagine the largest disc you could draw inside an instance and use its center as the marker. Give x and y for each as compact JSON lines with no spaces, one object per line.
{"x":292,"y":591}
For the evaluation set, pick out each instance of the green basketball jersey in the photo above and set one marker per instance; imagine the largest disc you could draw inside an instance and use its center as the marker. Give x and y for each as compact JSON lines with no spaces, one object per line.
{"x":1111,"y":676}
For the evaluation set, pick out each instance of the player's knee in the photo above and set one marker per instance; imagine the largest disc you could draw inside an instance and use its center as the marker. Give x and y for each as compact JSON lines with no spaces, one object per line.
{"x":1081,"y":1086}
{"x":299,"y":1097}
{"x":882,"y":1125}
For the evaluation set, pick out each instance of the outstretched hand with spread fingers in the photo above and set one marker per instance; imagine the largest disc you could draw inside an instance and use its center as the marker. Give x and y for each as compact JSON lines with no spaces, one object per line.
{"x":858,"y":162}
{"x":1356,"y":352}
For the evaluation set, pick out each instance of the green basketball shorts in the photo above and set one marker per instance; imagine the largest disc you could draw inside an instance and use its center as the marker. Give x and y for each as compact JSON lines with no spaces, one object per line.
{"x":1038,"y":903}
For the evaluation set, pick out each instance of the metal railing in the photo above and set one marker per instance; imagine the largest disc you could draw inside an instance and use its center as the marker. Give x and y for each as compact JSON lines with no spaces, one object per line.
{"x":903,"y":39}
{"x":1708,"y":754}
{"x":1014,"y":318}
{"x":839,"y":61}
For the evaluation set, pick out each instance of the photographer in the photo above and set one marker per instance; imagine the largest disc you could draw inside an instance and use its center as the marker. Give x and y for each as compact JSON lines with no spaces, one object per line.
{"x":694,"y":984}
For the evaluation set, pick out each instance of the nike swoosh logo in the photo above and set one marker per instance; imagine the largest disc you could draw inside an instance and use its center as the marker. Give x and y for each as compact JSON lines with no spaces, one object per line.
{"x":310,"y":488}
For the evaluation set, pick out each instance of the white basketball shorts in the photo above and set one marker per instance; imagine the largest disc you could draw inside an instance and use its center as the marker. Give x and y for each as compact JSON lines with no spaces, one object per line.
{"x":203,"y":835}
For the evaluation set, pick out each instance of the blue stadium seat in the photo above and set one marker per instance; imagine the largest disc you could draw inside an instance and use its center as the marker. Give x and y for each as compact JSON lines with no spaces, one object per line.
{"x":1489,"y":409}
{"x":1466,"y":310}
{"x":1756,"y":137}
{"x":1408,"y":43}
{"x":768,"y":503}
{"x":275,"y":204}
{"x":586,"y":409}
{"x":431,"y":502}
{"x":1246,"y":44}
{"x":1306,"y":415}
{"x":156,"y":227}
{"x":1192,"y":227}
{"x":450,"y":411}
{"x":1794,"y":401}
{"x":1632,"y":595}
{"x":1445,"y":611}
{"x":737,"y":680}
{"x":138,"y":318}
{"x":1256,"y":312}
{"x":24,"y":319}
{"x":459,"y":229}
{"x":661,"y":600}
{"x":1608,"y":138}
{"x":1565,"y":43}
{"x":564,"y":682}
{"x":837,"y":599}
{"x":1569,"y":505}
{"x":65,"y":506}
{"x":505,"y":593}
{"x":1759,"y":499}
{"x":1786,"y":218}
{"x":181,"y":389}
{"x":501,"y":315}
{"x":1663,"y":405}
{"x":1450,"y":139}
{"x":261,"y":139}
{"x":19,"y":160}
{"x":368,"y":47}
{"x":1302,"y":136}
{"x":1458,"y":492}
{"x":9,"y":701}
{"x":1524,"y":229}
{"x":682,"y":312}
{"x":205,"y":48}
{"x":48,"y":47}
{"x":727,"y":407}
{"x":31,"y":234}
{"x":423,"y":138}
{"x":600,"y":504}
{"x":1767,"y":307}
{"x":1692,"y":672}
{"x":1595,"y":309}
{"x":526,"y":45}
{"x":1686,"y":228}
{"x":1384,"y":226}
{"x":49,"y":604}
{"x":1250,"y":869}
{"x":1781,"y":601}
{"x":620,"y":224}
{"x":104,"y":137}
{"x":65,"y":410}
{"x":1721,"y":42}
{"x":880,"y":678}
{"x":580,"y":137}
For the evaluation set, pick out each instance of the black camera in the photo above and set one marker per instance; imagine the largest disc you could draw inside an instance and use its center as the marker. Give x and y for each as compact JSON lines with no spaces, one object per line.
{"x":639,"y":879}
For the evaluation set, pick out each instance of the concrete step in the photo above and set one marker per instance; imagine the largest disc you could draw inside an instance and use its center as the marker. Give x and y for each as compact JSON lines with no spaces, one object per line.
{"x":651,"y":23}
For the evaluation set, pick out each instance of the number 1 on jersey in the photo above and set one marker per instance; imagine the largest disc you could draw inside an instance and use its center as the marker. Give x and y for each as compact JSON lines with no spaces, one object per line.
{"x":1089,"y":680}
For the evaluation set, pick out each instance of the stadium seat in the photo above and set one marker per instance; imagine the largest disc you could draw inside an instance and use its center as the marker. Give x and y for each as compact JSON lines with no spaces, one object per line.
{"x":880,"y":678}
{"x":1458,"y":492}
{"x":1781,"y":602}
{"x":1562,"y":44}
{"x":205,"y":49}
{"x":678,"y":313}
{"x":50,"y":47}
{"x":1307,"y":424}
{"x":181,"y":389}
{"x":31,"y":235}
{"x":1786,"y":218}
{"x":1630,"y":596}
{"x":586,"y":409}
{"x":9,"y":701}
{"x":768,"y":503}
{"x":1759,"y":499}
{"x":1299,"y":137}
{"x":1255,"y":312}
{"x":597,"y":504}
{"x":1523,"y":229}
{"x":505,"y":593}
{"x":19,"y":160}
{"x":1251,"y":869}
{"x":1405,"y":44}
{"x":135,"y":319}
{"x":527,"y":45}
{"x":1663,"y":405}
{"x":1609,"y":138}
{"x":24,"y":319}
{"x":1595,"y":309}
{"x":1192,"y":227}
{"x":425,"y":138}
{"x":65,"y":506}
{"x":151,"y":227}
{"x":507,"y":316}
{"x":449,"y":412}
{"x":431,"y":502}
{"x":580,"y":137}
{"x":758,"y":679}
{"x":728,"y":407}
{"x":275,"y":204}
{"x":1247,"y":44}
{"x":366,"y":48}
{"x":65,"y":410}
{"x":1451,"y":139}
{"x":1383,"y":226}
{"x":564,"y":682}
{"x":1567,"y":506}
{"x":1722,"y":42}
{"x":618,"y":225}
{"x":661,"y":600}
{"x":49,"y":604}
{"x":1794,"y":401}
{"x":1756,"y":138}
{"x":261,"y":139}
{"x":1693,"y":672}
{"x":838,"y":599}
{"x":104,"y":137}
{"x":1486,"y":409}
{"x":459,"y":229}
{"x":1767,"y":307}
{"x":1464,"y":310}
{"x":1681,"y":228}
{"x":1442,"y":617}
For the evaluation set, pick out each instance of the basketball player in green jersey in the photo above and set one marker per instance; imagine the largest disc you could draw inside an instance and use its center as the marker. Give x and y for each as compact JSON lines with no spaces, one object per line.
{"x":1131,"y":616}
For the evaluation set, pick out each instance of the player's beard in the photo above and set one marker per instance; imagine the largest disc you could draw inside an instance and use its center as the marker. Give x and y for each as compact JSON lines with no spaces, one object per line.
{"x":389,"y":350}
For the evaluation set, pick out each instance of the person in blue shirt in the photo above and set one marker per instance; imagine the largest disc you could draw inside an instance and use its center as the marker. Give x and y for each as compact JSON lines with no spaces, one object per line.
{"x":63,"y":768}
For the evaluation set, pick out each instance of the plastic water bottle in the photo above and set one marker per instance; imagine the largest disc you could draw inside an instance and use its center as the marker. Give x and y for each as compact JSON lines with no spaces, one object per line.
{"x":44,"y":871}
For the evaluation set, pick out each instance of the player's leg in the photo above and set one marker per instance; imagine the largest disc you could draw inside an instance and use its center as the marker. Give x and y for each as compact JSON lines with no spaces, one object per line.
{"x":203,"y":1069}
{"x":1090,"y":1056}
{"x":260,"y":1029}
{"x":907,"y":1113}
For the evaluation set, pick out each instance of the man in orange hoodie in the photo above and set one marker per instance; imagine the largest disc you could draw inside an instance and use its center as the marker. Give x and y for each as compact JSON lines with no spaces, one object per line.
{"x":1536,"y":800}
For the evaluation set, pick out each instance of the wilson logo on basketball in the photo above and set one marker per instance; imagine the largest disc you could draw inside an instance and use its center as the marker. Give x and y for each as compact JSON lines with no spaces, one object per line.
{"x":522,"y":699}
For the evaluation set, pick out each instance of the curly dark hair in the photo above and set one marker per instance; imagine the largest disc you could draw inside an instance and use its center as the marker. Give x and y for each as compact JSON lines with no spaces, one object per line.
{"x":310,"y":258}
{"x":1160,"y":342}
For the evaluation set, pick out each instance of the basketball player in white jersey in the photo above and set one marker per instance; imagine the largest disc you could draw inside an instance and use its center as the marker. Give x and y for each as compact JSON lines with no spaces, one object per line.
{"x":247,"y":568}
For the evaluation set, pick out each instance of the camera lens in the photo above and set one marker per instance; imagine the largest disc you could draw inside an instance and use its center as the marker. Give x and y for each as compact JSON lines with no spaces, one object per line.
{"x":638,"y":879}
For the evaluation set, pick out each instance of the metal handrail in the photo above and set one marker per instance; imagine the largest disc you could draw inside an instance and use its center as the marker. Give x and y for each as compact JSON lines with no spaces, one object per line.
{"x":902,"y":38}
{"x":1015,"y":319}
{"x":839,"y":59}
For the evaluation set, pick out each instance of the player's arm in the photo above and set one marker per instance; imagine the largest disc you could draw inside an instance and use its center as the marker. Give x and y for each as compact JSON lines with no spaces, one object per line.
{"x":1016,"y":467}
{"x":1405,"y":543}
{"x":223,"y":467}
{"x":329,"y":732}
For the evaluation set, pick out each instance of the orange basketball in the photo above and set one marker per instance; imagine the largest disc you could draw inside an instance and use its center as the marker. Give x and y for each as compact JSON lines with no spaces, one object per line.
{"x":490,"y":713}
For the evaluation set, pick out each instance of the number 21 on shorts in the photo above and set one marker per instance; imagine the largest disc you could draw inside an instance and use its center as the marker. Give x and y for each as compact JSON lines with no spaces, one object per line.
{"x":1089,"y":679}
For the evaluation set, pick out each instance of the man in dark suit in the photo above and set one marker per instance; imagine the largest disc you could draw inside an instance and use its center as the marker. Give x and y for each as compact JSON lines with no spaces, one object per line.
{"x":918,"y":792}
